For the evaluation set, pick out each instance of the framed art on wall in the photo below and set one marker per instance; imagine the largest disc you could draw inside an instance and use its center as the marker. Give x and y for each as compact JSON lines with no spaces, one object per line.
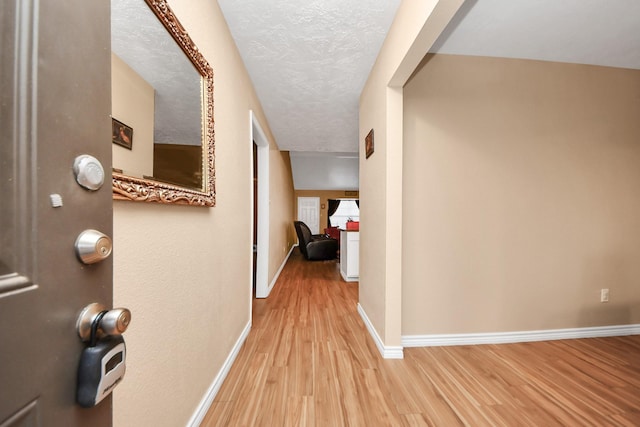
{"x":368,"y":144}
{"x":121,"y":134}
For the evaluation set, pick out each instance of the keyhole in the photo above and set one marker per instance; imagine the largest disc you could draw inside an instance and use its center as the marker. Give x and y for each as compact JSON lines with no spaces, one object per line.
{"x":93,"y":246}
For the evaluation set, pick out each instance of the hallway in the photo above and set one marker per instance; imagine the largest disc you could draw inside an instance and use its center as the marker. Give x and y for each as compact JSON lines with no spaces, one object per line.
{"x":309,"y":361}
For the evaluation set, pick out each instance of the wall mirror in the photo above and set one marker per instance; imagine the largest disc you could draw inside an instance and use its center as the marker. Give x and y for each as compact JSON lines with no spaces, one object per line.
{"x":162,"y":108}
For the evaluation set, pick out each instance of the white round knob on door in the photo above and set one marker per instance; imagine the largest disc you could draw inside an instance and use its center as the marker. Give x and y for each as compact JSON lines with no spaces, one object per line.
{"x":93,"y":246}
{"x":89,"y":172}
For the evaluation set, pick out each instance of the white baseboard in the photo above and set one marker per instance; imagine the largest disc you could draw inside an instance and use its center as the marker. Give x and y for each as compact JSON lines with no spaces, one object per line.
{"x":207,"y":400}
{"x":520,"y":336}
{"x":275,"y":277}
{"x":347,"y":278}
{"x":387,"y":352}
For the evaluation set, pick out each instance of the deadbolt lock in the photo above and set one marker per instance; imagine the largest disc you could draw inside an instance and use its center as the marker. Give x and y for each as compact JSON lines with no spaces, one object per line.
{"x":93,"y":246}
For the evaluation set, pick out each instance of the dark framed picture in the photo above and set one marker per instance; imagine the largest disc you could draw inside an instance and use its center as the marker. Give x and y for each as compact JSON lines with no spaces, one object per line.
{"x":368,"y":144}
{"x":121,"y":134}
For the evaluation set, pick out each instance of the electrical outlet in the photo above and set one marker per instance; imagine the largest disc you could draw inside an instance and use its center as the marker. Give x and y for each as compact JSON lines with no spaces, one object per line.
{"x":604,"y":295}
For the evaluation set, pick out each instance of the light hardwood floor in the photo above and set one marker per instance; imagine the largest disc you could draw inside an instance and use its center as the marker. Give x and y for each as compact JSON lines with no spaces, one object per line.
{"x":309,"y":361}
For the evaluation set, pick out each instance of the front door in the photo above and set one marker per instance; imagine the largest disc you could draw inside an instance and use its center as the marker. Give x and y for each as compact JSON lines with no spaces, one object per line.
{"x":309,"y":212}
{"x":54,"y":106}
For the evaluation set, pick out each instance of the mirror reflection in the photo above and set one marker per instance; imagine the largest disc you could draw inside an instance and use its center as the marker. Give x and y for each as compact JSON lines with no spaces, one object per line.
{"x":159,"y":133}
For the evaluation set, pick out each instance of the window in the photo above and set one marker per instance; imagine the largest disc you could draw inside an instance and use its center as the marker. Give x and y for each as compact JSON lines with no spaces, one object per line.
{"x":347,"y":209}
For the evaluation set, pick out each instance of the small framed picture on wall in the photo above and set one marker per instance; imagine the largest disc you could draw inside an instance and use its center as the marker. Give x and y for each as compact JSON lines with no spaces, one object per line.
{"x":368,"y":144}
{"x":121,"y":134}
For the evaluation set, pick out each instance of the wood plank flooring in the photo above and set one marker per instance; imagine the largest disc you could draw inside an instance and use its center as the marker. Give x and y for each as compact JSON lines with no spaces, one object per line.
{"x":309,"y":361}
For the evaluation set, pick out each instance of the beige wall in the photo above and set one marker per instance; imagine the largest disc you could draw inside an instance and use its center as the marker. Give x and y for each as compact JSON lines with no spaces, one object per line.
{"x":186,"y":272}
{"x":324,"y":196}
{"x":520,"y":196}
{"x":282,"y":237}
{"x":132,"y":103}
{"x":416,"y":26}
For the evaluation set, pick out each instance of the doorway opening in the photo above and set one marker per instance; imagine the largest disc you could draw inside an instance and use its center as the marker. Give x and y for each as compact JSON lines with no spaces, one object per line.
{"x":255,"y":215}
{"x":260,"y":208}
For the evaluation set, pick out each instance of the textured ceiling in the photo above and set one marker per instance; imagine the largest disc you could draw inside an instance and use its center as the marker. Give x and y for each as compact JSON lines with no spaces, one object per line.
{"x":596,"y":32}
{"x":308,"y":61}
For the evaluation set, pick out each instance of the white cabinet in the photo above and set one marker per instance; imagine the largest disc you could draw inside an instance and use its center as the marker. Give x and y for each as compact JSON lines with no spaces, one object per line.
{"x":349,"y":255}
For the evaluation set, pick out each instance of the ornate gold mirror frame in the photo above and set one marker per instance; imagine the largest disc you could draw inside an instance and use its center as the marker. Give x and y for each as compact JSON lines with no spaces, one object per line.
{"x":144,"y":190}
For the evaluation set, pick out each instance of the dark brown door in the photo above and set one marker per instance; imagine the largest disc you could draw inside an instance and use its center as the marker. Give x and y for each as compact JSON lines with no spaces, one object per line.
{"x":54,"y":105}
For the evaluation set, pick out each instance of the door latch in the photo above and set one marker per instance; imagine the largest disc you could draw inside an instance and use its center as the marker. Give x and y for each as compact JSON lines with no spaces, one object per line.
{"x":107,"y":322}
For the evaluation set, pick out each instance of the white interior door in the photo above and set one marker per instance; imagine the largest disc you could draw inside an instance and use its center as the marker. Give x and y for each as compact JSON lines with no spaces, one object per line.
{"x":309,"y":212}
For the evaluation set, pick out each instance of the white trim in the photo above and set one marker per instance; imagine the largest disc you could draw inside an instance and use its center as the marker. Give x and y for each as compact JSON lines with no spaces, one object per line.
{"x":262,"y":255}
{"x":521,"y":336}
{"x":207,"y":400}
{"x":347,"y":278}
{"x":387,"y":352}
{"x":275,"y":278}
